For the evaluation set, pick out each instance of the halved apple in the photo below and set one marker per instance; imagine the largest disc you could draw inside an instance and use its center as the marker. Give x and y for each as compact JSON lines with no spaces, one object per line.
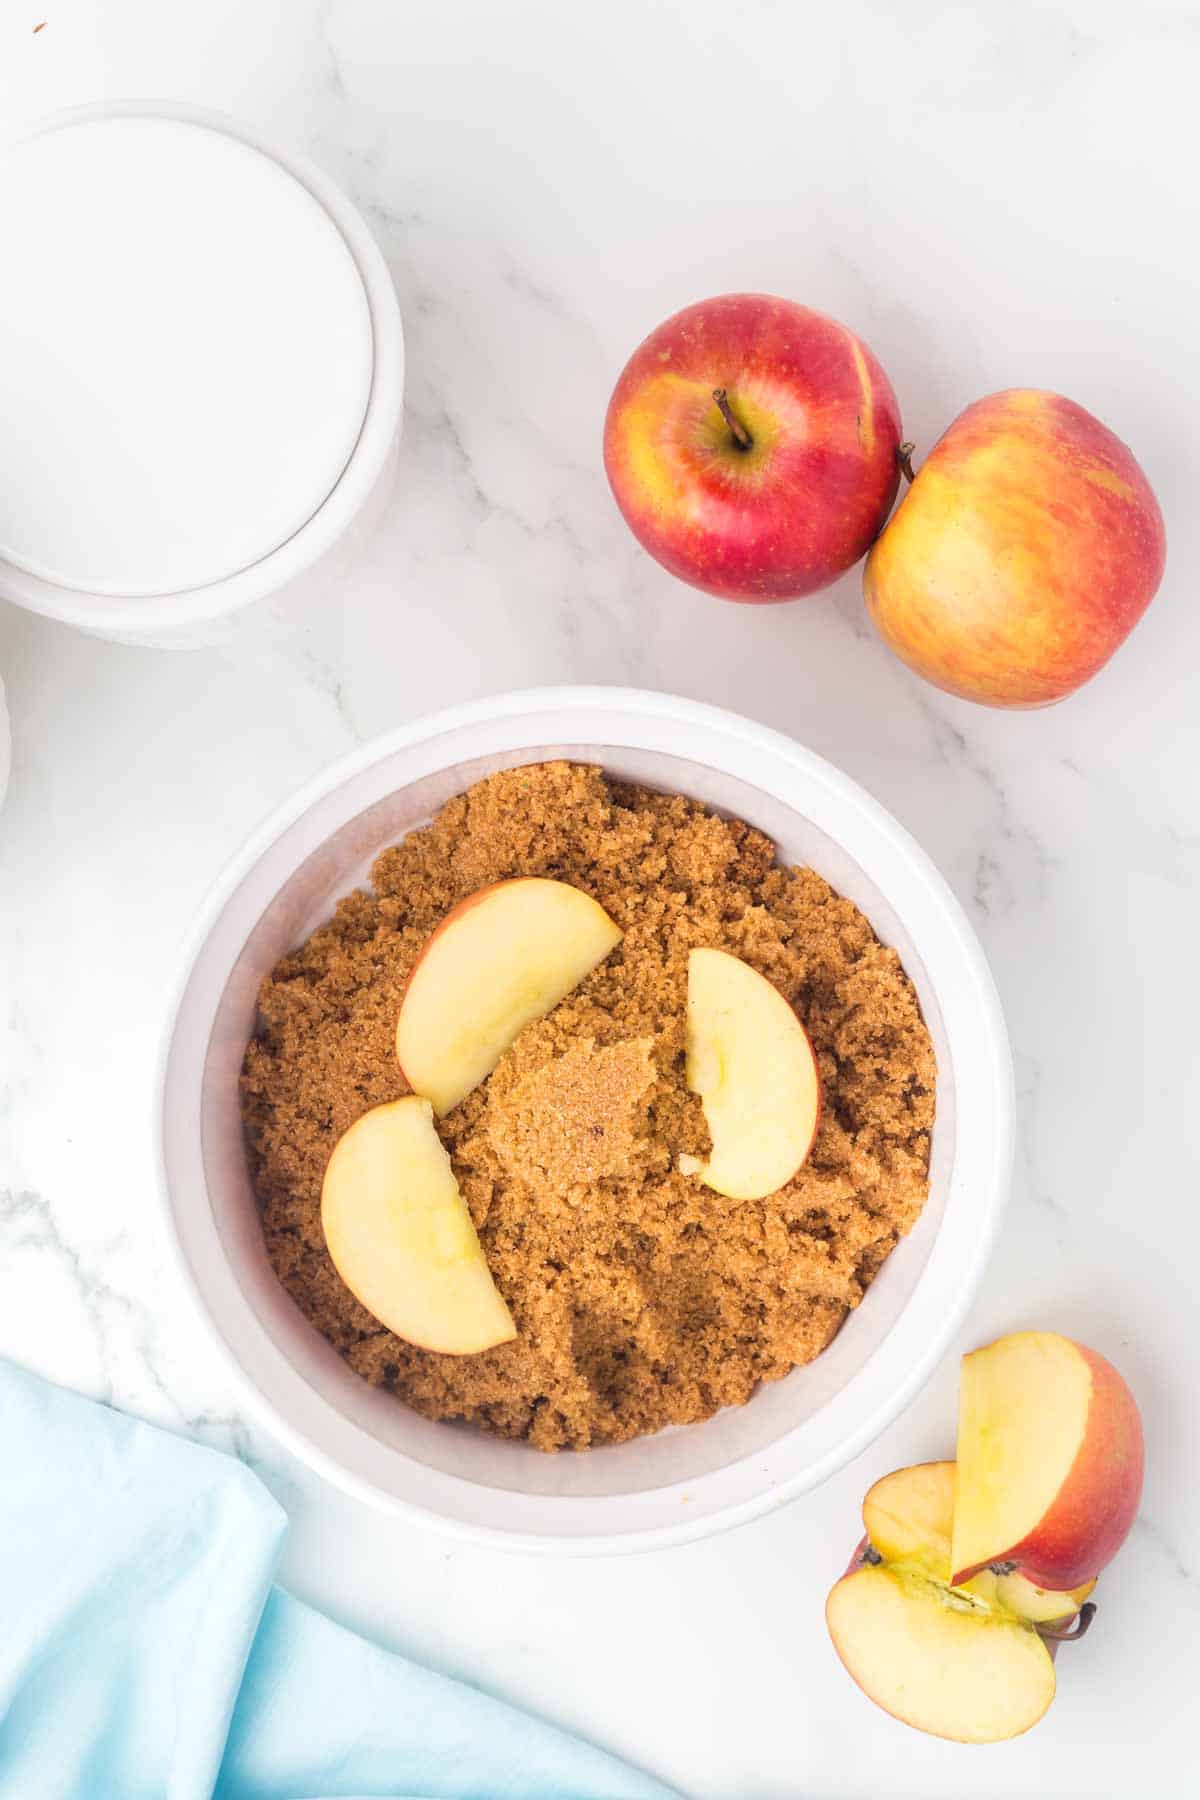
{"x":965,"y":1663}
{"x":909,"y":1518}
{"x":498,"y":960}
{"x":750,"y":1061}
{"x":908,"y":1514}
{"x":945,"y":1666}
{"x":1050,"y":1461}
{"x":401,"y":1237}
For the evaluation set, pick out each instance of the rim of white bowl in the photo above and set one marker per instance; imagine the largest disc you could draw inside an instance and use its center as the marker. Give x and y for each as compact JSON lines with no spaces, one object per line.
{"x":380,"y":428}
{"x":945,"y":1309}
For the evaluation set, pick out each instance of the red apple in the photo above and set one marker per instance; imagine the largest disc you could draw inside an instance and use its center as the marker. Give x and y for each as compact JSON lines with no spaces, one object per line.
{"x":1026,"y":550}
{"x":751,"y":444}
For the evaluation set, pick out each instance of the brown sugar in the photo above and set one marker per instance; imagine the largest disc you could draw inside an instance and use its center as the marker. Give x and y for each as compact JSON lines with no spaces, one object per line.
{"x":579,"y":1119}
{"x":642,"y":1299}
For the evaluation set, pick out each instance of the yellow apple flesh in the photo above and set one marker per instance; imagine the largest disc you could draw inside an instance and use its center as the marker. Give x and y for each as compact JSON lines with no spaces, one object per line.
{"x":943,"y":1665}
{"x":909,"y":1516}
{"x":499,"y":960}
{"x":966,"y":1663}
{"x":401,"y":1237}
{"x":1041,"y":1606}
{"x":750,"y":1061}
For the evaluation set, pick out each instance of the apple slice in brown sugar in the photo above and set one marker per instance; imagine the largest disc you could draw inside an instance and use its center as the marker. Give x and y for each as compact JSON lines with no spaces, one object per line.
{"x":750,"y":1061}
{"x":499,"y":960}
{"x":401,"y":1237}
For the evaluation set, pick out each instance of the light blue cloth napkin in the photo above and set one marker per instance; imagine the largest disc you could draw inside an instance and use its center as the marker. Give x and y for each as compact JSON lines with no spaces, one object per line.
{"x":145,"y":1655}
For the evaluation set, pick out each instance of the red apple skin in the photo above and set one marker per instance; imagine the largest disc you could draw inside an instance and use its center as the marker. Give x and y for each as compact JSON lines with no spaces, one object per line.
{"x":1096,"y":1506}
{"x":1026,"y":550}
{"x":856,"y":1560}
{"x":804,"y":503}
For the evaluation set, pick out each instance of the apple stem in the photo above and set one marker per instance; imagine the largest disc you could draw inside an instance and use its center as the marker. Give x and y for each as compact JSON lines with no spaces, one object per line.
{"x":1079,"y":1627}
{"x":904,"y":458}
{"x":740,"y":435}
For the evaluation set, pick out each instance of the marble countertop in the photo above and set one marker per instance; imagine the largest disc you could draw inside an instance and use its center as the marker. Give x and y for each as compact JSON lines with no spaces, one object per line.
{"x":992,"y":196}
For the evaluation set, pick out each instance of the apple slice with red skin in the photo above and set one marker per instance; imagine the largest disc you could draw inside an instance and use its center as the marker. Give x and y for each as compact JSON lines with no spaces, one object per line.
{"x":965,"y":1664}
{"x":401,"y":1237}
{"x":750,"y":1061}
{"x":499,"y":960}
{"x":1050,"y":1461}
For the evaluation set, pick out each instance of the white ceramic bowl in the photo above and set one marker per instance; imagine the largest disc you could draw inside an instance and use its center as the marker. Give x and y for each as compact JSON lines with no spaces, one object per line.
{"x":680,"y":1483}
{"x":314,"y":540}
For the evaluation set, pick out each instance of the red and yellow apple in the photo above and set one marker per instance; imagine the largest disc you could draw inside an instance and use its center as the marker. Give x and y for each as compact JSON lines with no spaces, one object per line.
{"x":968,"y":1663}
{"x":400,"y":1235}
{"x":751,"y":445}
{"x":1027,"y":548}
{"x":750,"y":1060}
{"x":971,"y":1574}
{"x":1050,"y":1461}
{"x":500,"y":959}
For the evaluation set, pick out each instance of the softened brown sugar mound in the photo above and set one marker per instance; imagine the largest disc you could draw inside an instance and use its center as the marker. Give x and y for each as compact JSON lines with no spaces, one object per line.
{"x":641,"y":1298}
